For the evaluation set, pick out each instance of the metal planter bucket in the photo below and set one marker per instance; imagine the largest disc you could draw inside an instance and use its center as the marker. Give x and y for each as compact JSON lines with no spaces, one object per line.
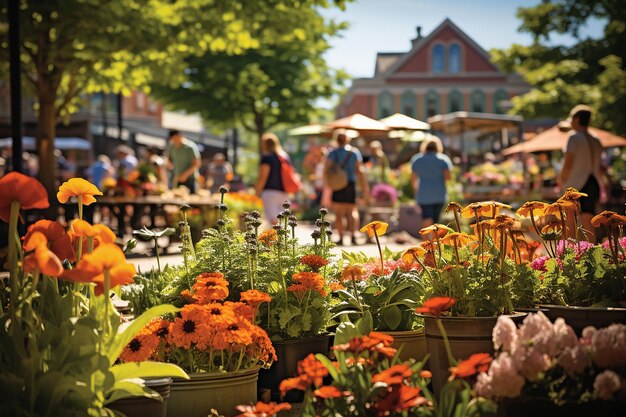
{"x":467,"y":335}
{"x":205,"y":391}
{"x":581,"y":317}
{"x":143,"y":406}
{"x":411,"y":342}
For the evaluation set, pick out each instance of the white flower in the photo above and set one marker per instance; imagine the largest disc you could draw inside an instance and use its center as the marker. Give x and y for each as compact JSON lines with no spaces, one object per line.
{"x":608,"y":346}
{"x":537,"y":330}
{"x":484,"y":387}
{"x":530,"y":361}
{"x":505,"y":381}
{"x":564,"y":334}
{"x":606,"y":384}
{"x":504,"y":333}
{"x":575,"y":360}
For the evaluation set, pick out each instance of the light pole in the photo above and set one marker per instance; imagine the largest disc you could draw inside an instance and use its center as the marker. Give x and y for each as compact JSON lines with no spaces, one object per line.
{"x":16,"y":87}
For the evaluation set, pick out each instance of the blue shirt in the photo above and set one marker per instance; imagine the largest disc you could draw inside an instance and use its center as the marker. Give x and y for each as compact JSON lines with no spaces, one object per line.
{"x":339,"y":155}
{"x":429,"y":168}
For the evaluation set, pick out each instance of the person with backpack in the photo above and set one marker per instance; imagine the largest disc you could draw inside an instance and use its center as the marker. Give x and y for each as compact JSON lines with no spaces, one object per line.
{"x":344,"y":165}
{"x":271,"y":185}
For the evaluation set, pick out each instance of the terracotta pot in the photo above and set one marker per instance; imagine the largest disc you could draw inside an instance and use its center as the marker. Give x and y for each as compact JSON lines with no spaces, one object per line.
{"x":467,"y":335}
{"x":581,"y":317}
{"x":411,"y":343}
{"x":143,"y":406}
{"x":205,"y":391}
{"x":289,"y":352}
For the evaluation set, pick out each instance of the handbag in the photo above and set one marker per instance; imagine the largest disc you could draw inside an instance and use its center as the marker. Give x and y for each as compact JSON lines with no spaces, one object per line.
{"x":291,"y":179}
{"x":336,"y":175}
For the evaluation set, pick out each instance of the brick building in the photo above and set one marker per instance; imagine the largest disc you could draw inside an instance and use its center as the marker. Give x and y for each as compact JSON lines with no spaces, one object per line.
{"x":443,"y":72}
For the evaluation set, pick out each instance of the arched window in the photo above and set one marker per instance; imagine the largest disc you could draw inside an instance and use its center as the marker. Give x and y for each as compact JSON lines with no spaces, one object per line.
{"x":431,"y":104}
{"x":408,"y":104}
{"x":438,"y":58}
{"x":477,"y":102}
{"x":385,"y":104}
{"x":499,"y":98}
{"x":455,"y":101}
{"x":454,"y":59}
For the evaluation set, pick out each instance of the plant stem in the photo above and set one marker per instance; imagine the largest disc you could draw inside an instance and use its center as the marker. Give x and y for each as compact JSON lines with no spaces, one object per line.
{"x":356,"y":293}
{"x":532,"y":221}
{"x":158,"y":258}
{"x":446,"y":342}
{"x":12,"y":254}
{"x":457,"y":221}
{"x":79,"y":249}
{"x":107,"y":300}
{"x":380,"y":252}
{"x":80,"y":207}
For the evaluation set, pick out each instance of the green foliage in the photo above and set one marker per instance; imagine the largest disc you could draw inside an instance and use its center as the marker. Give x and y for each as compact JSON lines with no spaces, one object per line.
{"x":591,"y":71}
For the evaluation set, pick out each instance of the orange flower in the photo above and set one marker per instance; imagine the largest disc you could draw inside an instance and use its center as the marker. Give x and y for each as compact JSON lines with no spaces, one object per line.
{"x":426,"y":374}
{"x":240,"y":309}
{"x":42,"y":259}
{"x":353,"y":273}
{"x":307,"y":281}
{"x":376,"y":227}
{"x":374,"y":342}
{"x":105,"y":235}
{"x":81,"y":228}
{"x":454,"y":206}
{"x":210,"y":287}
{"x":474,"y":210}
{"x":189,"y":328}
{"x":336,"y":286}
{"x":91,"y":268}
{"x":457,"y":239}
{"x":300,"y":383}
{"x":268,"y":237}
{"x":315,"y":262}
{"x":434,"y":231}
{"x":436,"y":305}
{"x":608,"y":218}
{"x":536,"y":208}
{"x":394,"y":375}
{"x":59,"y":242}
{"x":261,"y":346}
{"x":475,"y":364}
{"x":141,"y":348}
{"x":411,"y":254}
{"x":330,"y":391}
{"x":398,"y":399}
{"x":21,"y":188}
{"x":572,"y":194}
{"x":255,"y":298}
{"x":312,"y":369}
{"x":78,"y":187}
{"x":261,"y":409}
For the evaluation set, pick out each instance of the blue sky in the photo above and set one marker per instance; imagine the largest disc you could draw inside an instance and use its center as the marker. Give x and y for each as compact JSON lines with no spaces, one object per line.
{"x":389,"y":25}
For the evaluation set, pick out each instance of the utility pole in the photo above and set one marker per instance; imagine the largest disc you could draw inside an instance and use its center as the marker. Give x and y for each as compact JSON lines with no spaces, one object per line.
{"x":16,"y":87}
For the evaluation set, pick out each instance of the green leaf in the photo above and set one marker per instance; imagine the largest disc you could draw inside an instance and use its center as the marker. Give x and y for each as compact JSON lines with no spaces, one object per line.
{"x":391,"y":316}
{"x":365,"y":324}
{"x":126,"y":334}
{"x":147,"y":369}
{"x":345,"y":331}
{"x":131,"y":388}
{"x":329,"y":365}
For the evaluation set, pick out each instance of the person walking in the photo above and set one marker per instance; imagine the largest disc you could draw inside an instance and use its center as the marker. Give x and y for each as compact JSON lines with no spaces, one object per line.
{"x":343,"y":201}
{"x":581,"y":168}
{"x":430,"y":169}
{"x":183,"y":159}
{"x":219,"y":172}
{"x":269,"y":185}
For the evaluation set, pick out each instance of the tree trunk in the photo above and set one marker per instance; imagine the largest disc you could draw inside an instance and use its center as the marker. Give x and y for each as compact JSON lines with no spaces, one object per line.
{"x":259,"y":123}
{"x":46,"y":132}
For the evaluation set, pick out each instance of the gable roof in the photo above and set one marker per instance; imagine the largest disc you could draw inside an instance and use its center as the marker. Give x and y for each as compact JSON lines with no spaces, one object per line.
{"x":386,"y":59}
{"x":418,"y":45}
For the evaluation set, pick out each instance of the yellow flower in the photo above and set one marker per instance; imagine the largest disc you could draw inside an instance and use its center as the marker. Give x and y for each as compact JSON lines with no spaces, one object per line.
{"x":375,"y":228}
{"x":78,"y":187}
{"x":409,"y":255}
{"x":537,"y":208}
{"x":458,"y":239}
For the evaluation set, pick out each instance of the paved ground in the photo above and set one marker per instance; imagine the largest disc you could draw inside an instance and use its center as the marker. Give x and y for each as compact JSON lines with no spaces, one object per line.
{"x":395,"y":242}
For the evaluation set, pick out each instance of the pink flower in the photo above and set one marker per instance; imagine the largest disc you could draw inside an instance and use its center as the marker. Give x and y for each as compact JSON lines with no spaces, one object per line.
{"x":504,"y":380}
{"x":539,"y":264}
{"x":606,"y":384}
{"x":587,"y":335}
{"x":575,"y":360}
{"x":564,"y":335}
{"x":538,"y":331}
{"x":530,"y":361}
{"x":484,"y":385}
{"x":579,"y":248}
{"x":504,"y":333}
{"x":608,"y":346}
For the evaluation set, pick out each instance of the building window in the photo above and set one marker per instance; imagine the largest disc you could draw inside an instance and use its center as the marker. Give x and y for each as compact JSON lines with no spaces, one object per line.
{"x":455,"y":101}
{"x":408,"y":104}
{"x":499,"y":98}
{"x":438,"y":53}
{"x":385,"y":104}
{"x":431,"y":104}
{"x":478,"y":102}
{"x":454,"y":59}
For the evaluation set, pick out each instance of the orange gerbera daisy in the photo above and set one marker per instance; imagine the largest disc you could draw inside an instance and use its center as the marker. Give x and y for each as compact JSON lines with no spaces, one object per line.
{"x":436,"y":305}
{"x":21,"y":188}
{"x":210,"y":287}
{"x":398,"y":399}
{"x":255,"y":298}
{"x":92,"y":267}
{"x":300,"y":383}
{"x":330,"y":391}
{"x":59,"y":241}
{"x":268,"y":237}
{"x":475,"y":364}
{"x":219,"y":315}
{"x":262,"y":409}
{"x":375,"y":228}
{"x":394,"y":375}
{"x":312,"y":369}
{"x":78,"y":187}
{"x":353,"y":273}
{"x":189,"y":328}
{"x":240,"y":309}
{"x":141,"y":348}
{"x":307,"y":281}
{"x":261,"y":346}
{"x":315,"y":262}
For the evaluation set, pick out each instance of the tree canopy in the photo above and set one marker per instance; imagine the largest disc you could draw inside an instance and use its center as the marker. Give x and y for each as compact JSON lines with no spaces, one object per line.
{"x":278,"y":82}
{"x":590,"y":71}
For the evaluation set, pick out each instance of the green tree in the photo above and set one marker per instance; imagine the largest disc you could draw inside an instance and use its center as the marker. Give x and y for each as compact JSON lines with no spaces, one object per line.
{"x":591,"y":71}
{"x":278,"y":82}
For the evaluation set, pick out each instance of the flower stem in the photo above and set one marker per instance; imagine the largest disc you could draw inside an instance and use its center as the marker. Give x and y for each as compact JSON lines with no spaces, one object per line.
{"x":158,"y":258}
{"x":80,"y":207}
{"x":446,"y":342}
{"x":107,"y":300}
{"x":380,"y":252}
{"x":12,"y":253}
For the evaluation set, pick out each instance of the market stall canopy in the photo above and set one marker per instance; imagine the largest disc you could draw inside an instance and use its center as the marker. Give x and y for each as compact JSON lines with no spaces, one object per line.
{"x":555,"y":138}
{"x":30,"y":144}
{"x":360,"y":123}
{"x":400,"y":121}
{"x":462,"y":121}
{"x":419,"y":136}
{"x":308,"y":130}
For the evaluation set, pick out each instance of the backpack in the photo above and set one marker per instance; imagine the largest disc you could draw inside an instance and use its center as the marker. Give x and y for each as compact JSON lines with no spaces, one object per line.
{"x":336,"y":176}
{"x":291,"y":179}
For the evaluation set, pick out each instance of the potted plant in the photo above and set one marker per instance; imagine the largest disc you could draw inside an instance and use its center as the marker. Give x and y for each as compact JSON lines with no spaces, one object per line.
{"x":382,"y":294}
{"x":484,"y":272}
{"x":544,"y":369}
